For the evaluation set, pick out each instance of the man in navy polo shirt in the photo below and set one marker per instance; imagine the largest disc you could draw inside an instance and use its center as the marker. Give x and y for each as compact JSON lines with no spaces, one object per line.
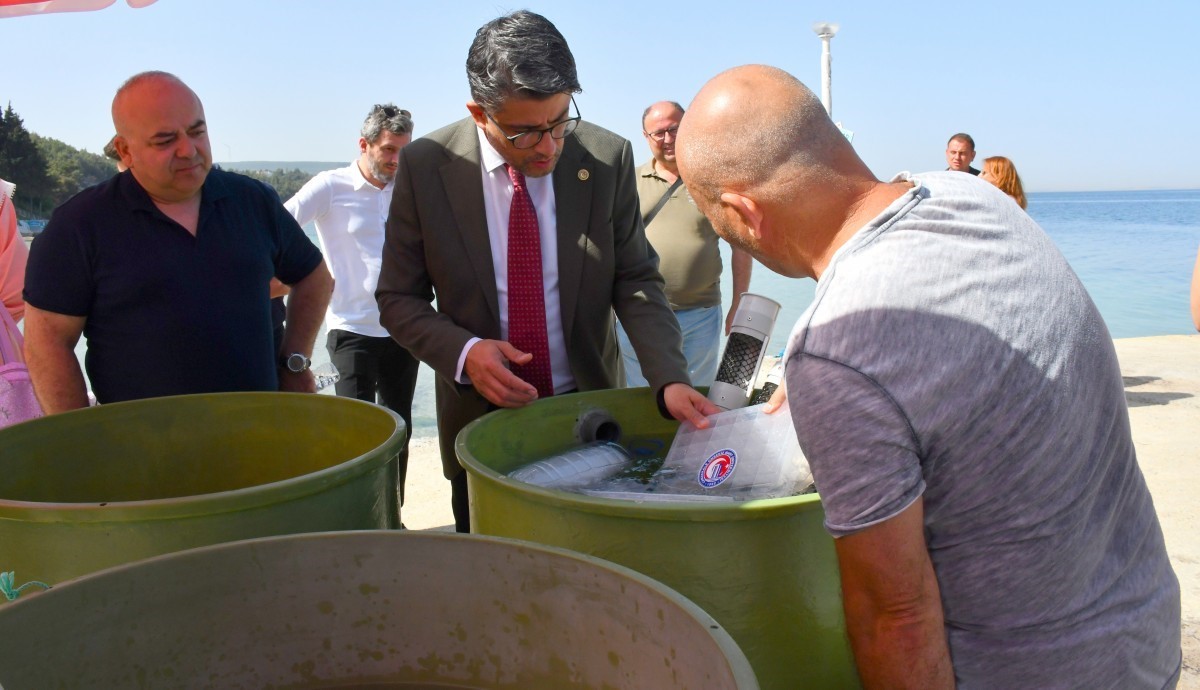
{"x":165,"y":269}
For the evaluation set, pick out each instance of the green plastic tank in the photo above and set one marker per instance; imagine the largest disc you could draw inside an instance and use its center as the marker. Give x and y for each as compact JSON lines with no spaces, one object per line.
{"x":373,"y":609}
{"x":93,"y":488}
{"x":766,"y":570}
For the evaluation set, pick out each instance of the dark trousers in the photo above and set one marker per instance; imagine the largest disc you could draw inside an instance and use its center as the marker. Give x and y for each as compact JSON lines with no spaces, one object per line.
{"x":459,"y":499}
{"x":376,"y":370}
{"x":460,"y":503}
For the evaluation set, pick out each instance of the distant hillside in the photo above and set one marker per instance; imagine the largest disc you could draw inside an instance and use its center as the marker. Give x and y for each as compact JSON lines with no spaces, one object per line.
{"x":310,"y":167}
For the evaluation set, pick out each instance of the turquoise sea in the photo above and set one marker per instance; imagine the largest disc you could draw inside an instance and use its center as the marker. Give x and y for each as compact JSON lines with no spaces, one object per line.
{"x":1134,"y":251}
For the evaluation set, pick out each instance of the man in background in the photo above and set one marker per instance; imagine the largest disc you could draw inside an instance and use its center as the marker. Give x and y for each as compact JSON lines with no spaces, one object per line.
{"x":960,"y":151}
{"x":110,"y":152}
{"x":350,"y":206}
{"x":689,"y":256}
{"x":165,"y":269}
{"x":958,"y":398}
{"x":523,"y":222}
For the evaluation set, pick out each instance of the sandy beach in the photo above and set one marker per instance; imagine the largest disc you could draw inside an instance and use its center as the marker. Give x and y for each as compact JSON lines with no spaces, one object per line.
{"x":1162,"y":386}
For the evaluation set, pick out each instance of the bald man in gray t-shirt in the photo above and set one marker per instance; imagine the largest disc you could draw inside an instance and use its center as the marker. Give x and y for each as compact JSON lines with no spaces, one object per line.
{"x":951,"y":353}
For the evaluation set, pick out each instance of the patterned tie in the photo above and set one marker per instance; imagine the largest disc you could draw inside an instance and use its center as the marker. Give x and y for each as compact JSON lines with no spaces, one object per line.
{"x":526,"y":296}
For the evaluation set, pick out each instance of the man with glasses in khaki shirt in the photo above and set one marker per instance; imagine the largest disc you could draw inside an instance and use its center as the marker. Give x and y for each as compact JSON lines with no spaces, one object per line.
{"x":688,"y":251}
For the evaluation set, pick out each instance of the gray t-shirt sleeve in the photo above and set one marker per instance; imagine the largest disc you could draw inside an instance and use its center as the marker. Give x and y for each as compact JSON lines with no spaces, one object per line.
{"x":864,"y":455}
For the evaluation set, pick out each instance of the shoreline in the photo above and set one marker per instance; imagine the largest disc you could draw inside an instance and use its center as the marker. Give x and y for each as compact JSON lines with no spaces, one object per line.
{"x":1162,"y":389}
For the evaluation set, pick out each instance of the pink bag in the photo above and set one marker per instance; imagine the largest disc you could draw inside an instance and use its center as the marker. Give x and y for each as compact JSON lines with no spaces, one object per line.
{"x":17,"y":401}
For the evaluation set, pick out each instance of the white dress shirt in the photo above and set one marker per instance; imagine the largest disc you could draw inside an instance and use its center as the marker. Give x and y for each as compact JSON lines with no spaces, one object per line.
{"x":497,"y":202}
{"x":350,"y":213}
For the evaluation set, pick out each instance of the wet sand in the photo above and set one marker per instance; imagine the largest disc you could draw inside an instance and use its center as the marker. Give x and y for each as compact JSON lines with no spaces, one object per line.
{"x":1162,"y":386}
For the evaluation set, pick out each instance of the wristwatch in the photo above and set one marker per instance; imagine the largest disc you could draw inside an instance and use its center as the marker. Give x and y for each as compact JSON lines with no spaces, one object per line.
{"x":295,"y":362}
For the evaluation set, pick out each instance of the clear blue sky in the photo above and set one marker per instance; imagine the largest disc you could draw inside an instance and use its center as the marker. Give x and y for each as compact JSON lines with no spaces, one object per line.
{"x":1082,"y":96}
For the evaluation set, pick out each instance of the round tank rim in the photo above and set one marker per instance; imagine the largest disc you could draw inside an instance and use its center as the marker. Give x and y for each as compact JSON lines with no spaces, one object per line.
{"x":221,"y":502}
{"x":739,"y":664}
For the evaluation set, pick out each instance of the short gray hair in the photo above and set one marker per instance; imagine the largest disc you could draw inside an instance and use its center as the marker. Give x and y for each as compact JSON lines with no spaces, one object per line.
{"x":519,"y":54}
{"x":388,"y":117}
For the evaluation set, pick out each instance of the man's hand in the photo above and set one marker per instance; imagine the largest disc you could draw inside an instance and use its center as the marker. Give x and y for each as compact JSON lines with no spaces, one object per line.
{"x":487,"y":367}
{"x":688,"y":405}
{"x":777,"y":399}
{"x":291,"y":382}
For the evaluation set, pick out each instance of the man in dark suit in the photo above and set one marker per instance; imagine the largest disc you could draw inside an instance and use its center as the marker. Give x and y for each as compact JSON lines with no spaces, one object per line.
{"x":524,"y":222}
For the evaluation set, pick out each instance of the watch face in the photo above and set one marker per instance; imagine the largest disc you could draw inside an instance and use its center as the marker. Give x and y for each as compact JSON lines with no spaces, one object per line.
{"x":297,"y":363}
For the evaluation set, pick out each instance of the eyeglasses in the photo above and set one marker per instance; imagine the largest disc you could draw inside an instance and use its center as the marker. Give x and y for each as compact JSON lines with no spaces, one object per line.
{"x":661,"y":135}
{"x":530,"y":138}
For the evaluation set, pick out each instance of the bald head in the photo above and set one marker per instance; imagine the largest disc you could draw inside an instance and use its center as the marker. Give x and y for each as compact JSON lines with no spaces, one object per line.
{"x":660,"y":124}
{"x":660,"y":109}
{"x":162,"y":136}
{"x":750,"y":127}
{"x":774,"y":175}
{"x":153,"y":86}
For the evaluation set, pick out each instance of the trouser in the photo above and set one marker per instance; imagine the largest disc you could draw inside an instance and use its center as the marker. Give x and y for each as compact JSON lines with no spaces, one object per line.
{"x":377,"y":370}
{"x":701,"y":328}
{"x":460,"y":502}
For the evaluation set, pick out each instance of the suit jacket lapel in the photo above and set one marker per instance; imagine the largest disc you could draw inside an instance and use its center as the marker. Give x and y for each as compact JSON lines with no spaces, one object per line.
{"x":462,"y":180}
{"x":573,"y":199}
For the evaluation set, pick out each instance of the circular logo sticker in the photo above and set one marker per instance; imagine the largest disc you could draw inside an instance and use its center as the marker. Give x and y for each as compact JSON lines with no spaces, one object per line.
{"x":717,"y":468}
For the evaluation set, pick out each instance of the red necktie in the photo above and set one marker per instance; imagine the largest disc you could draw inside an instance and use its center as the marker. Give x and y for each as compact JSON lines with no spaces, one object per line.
{"x":526,"y":296}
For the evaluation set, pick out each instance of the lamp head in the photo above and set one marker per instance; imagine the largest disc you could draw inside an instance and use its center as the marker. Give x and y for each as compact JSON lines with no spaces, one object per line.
{"x":825,"y":29}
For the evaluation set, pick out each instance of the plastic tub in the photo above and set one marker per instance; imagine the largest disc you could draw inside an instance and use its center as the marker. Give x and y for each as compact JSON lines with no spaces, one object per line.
{"x":374,"y":609}
{"x":766,"y":570}
{"x":93,"y":488}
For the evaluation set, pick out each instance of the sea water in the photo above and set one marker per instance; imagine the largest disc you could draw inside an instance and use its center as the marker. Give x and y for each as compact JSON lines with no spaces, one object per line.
{"x":1134,"y":252}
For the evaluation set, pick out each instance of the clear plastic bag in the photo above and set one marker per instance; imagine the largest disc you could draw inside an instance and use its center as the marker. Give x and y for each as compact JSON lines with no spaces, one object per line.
{"x":744,"y":454}
{"x":575,"y":468}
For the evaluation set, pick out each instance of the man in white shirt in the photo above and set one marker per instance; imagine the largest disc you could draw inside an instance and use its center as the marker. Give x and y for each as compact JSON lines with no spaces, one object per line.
{"x":350,"y":207}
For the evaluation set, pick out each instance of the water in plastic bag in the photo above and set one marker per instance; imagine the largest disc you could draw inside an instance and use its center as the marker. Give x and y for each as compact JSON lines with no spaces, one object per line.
{"x":575,"y":468}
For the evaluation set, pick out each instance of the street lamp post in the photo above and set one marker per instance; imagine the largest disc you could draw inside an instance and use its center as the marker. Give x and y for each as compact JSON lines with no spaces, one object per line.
{"x":826,"y":31}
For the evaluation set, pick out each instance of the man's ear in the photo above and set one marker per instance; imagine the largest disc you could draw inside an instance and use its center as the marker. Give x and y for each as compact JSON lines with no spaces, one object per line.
{"x":745,"y":211}
{"x":122,"y":148}
{"x":362,"y":144}
{"x":477,"y":114}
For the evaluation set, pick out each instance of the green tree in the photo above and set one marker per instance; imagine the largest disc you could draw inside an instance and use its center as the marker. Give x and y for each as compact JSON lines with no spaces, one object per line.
{"x":285,"y":182}
{"x":22,"y":164}
{"x":72,"y":170}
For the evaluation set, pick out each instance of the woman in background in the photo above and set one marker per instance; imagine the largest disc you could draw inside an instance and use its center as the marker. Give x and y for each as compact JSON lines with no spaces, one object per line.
{"x":12,"y":255}
{"x":1001,"y":172}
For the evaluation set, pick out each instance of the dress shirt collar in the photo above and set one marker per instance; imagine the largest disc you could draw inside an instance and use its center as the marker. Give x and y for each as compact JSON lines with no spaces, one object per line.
{"x":360,"y":181}
{"x":488,"y":154}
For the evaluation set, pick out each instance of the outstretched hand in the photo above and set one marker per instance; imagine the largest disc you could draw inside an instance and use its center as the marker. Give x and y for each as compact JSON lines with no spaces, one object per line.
{"x":777,"y":399}
{"x":688,"y":405}
{"x":487,"y":366}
